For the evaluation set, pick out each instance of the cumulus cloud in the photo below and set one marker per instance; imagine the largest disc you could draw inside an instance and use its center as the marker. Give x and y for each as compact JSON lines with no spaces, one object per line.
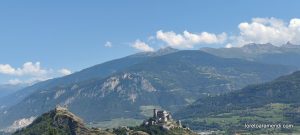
{"x":228,"y":45}
{"x":268,"y":30}
{"x":65,"y":71}
{"x":188,"y":39}
{"x":15,"y":81}
{"x":258,"y":30}
{"x":30,"y":73}
{"x":142,"y":46}
{"x":26,"y":81}
{"x":28,"y":68}
{"x":108,"y":44}
{"x":6,"y":69}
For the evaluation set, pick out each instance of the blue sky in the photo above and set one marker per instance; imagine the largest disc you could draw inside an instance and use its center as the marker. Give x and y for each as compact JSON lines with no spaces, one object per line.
{"x":71,"y":34}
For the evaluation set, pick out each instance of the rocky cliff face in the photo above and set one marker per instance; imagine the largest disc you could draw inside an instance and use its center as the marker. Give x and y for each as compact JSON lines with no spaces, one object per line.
{"x":19,"y":124}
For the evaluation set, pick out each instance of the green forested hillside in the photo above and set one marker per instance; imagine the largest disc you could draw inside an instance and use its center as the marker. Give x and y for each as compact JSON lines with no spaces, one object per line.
{"x":275,"y":102}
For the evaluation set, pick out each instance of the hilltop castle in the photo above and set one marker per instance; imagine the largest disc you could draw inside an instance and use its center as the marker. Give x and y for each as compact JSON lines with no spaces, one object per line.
{"x":60,"y":108}
{"x":161,"y":116}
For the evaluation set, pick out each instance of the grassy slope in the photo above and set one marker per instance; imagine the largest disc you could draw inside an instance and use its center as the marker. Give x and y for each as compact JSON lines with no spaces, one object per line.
{"x":274,"y":102}
{"x":234,"y":121}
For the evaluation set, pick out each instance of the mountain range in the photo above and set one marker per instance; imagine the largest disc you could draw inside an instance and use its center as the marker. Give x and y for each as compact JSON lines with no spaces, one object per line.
{"x":99,"y":71}
{"x":7,"y":89}
{"x":286,"y":54}
{"x":128,"y":87}
{"x":122,"y":88}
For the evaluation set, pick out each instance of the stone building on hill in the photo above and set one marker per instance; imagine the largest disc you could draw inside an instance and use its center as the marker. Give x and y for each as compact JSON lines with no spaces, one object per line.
{"x":161,"y":116}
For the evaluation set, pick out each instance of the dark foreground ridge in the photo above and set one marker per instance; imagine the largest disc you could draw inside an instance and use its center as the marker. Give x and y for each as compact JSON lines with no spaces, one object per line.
{"x":62,"y":122}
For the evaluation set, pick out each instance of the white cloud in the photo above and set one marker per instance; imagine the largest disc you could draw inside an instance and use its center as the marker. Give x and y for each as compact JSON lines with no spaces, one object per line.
{"x":65,"y":71}
{"x":26,"y":81}
{"x":108,"y":44}
{"x":28,"y":68}
{"x":295,"y":23}
{"x":268,"y":30}
{"x":6,"y":69}
{"x":189,"y":40}
{"x":14,"y":81}
{"x":258,"y":30}
{"x":142,"y":46}
{"x":228,"y":45}
{"x":30,"y":73}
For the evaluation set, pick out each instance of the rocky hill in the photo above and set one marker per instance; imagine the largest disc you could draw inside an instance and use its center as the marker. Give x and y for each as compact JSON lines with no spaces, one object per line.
{"x":58,"y":122}
{"x":62,"y":122}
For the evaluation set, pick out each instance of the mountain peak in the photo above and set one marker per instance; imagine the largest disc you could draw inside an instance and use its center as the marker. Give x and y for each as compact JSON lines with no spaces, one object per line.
{"x":159,"y":52}
{"x":260,"y":48}
{"x":167,"y":49}
{"x":255,"y":45}
{"x":290,"y":45}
